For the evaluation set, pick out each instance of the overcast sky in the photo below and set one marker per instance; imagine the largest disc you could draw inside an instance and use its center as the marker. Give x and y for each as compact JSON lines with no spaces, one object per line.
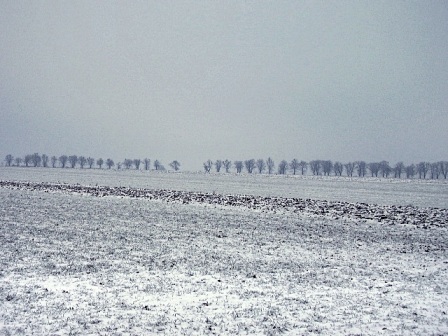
{"x":193,"y":80}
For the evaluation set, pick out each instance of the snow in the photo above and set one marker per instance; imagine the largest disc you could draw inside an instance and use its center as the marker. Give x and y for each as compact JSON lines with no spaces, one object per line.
{"x":71,"y":263}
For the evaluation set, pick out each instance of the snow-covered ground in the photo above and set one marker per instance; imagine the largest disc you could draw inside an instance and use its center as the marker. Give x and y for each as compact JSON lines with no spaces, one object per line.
{"x":71,"y":263}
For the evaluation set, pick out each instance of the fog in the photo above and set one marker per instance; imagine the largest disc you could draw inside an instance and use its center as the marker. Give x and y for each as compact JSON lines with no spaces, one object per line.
{"x":193,"y":80}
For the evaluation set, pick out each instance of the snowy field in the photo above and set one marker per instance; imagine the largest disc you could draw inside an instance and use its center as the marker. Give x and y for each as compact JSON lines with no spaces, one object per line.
{"x":72,"y":263}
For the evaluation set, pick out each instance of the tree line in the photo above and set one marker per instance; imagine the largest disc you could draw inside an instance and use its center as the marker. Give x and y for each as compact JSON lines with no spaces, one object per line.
{"x":432,"y":170}
{"x":73,"y":161}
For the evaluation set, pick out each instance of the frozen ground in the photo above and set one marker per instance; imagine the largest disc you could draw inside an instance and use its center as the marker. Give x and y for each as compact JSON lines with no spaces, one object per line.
{"x":421,"y":193}
{"x":75,"y":264}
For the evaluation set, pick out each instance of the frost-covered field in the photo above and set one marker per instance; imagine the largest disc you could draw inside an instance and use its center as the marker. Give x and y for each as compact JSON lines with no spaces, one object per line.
{"x":72,"y":263}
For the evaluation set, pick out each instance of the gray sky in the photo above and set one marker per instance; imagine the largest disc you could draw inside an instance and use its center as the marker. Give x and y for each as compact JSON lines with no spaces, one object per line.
{"x":193,"y":80}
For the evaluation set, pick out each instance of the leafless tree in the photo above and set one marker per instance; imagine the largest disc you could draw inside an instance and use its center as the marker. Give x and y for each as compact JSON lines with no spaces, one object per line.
{"x":73,"y":159}
{"x":434,"y":170}
{"x":227,"y":164}
{"x":444,"y":168}
{"x":90,"y":161}
{"x":282,"y":167}
{"x":385,"y":168}
{"x":361,"y":168}
{"x":127,"y":163}
{"x":410,"y":171}
{"x":338,"y":168}
{"x":327,"y":167}
{"x":238,"y":166}
{"x":36,"y":159}
{"x":422,"y":169}
{"x":100,"y":162}
{"x":250,"y":165}
{"x":110,"y":163}
{"x":18,"y":161}
{"x":8,"y":159}
{"x":374,"y":168}
{"x":27,"y":159}
{"x":261,"y":166}
{"x":157,"y":165}
{"x":137,"y":163}
{"x":218,"y":165}
{"x":147,"y":163}
{"x":63,"y":160}
{"x":175,"y":165}
{"x":294,"y":165}
{"x":270,"y":165}
{"x":350,"y":168}
{"x":54,"y":160}
{"x":82,"y":161}
{"x":208,"y":166}
{"x":315,"y":167}
{"x":303,"y":166}
{"x":399,"y":169}
{"x":45,"y":159}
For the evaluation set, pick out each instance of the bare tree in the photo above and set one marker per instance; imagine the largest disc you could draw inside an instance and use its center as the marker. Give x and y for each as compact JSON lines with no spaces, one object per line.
{"x":147,"y":163}
{"x":227,"y":164}
{"x":315,"y":166}
{"x":208,"y":166}
{"x":63,"y":160}
{"x":338,"y":168}
{"x":270,"y":165}
{"x":399,"y":169}
{"x":374,"y":168}
{"x":110,"y":163}
{"x":410,"y":171}
{"x":327,"y":167}
{"x":238,"y":166}
{"x":175,"y":165}
{"x":434,"y":170}
{"x":218,"y":165}
{"x":157,"y":165}
{"x":27,"y":159}
{"x":303,"y":166}
{"x":137,"y":163}
{"x":90,"y":161}
{"x":294,"y":165}
{"x":45,"y":159}
{"x":72,"y":159}
{"x":422,"y":169}
{"x":8,"y":159}
{"x":282,"y":167}
{"x":350,"y":168}
{"x":444,"y":168}
{"x":18,"y":161}
{"x":36,"y":159}
{"x":261,"y":166}
{"x":100,"y":162}
{"x":82,"y":161}
{"x":53,"y":160}
{"x":361,"y":168}
{"x":250,"y":165}
{"x":385,"y":168}
{"x":127,"y":163}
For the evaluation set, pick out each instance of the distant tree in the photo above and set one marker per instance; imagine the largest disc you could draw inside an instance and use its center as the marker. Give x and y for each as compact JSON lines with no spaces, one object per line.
{"x":250,"y":165}
{"x":137,"y":163}
{"x":294,"y":165}
{"x":261,"y":165}
{"x":315,"y":166}
{"x":82,"y":161}
{"x":36,"y":159}
{"x":127,"y":163}
{"x":238,"y":166}
{"x":110,"y":163}
{"x":175,"y":165}
{"x":54,"y":160}
{"x":63,"y":160}
{"x":361,"y":168}
{"x":8,"y":159}
{"x":444,"y":168}
{"x":28,"y":159}
{"x":338,"y":168}
{"x":374,"y":168}
{"x":208,"y":166}
{"x":282,"y":167}
{"x":73,"y":159}
{"x":147,"y":163}
{"x":270,"y":165}
{"x":18,"y":161}
{"x":303,"y":166}
{"x":422,"y":169}
{"x":399,"y":169}
{"x":45,"y":159}
{"x":385,"y":168}
{"x":227,"y":164}
{"x":327,"y":167}
{"x":100,"y":162}
{"x":157,"y":165}
{"x":218,"y":165}
{"x":434,"y":170}
{"x":90,"y":162}
{"x":410,"y":171}
{"x":350,"y":168}
{"x":118,"y":165}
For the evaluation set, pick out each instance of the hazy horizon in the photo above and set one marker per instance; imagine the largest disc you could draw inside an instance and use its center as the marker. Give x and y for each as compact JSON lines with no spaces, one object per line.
{"x":191,"y":81}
